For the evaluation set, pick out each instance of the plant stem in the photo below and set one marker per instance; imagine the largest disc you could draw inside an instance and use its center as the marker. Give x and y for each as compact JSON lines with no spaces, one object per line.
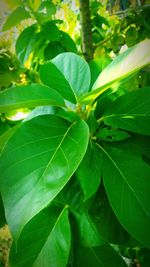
{"x":86,"y":29}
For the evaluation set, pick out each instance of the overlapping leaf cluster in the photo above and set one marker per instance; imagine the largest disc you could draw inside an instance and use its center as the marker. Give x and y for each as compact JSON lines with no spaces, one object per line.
{"x":75,"y":173}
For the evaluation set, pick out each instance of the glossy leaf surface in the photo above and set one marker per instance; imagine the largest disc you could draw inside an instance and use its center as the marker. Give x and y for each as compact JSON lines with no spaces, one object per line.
{"x":130,"y":112}
{"x":53,"y":77}
{"x":89,"y":171}
{"x":47,"y":150}
{"x":25,"y":43}
{"x":37,"y":249}
{"x":127,"y":184}
{"x":76,"y":71}
{"x":29,"y":96}
{"x":101,"y":256}
{"x":122,"y":66}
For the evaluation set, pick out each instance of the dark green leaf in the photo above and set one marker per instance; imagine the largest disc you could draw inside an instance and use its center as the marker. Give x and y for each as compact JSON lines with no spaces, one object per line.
{"x":49,"y":32}
{"x":105,"y":221}
{"x":122,"y":66}
{"x":29,"y":96}
{"x":44,"y":237}
{"x":52,"y":76}
{"x":76,"y":72}
{"x":2,"y":213}
{"x":102,"y":256}
{"x":88,"y":234}
{"x":25,"y":43}
{"x":89,"y":171}
{"x":67,"y":42}
{"x":130,"y":112}
{"x":127,"y":183}
{"x":15,"y":17}
{"x":37,"y":162}
{"x":52,"y":50}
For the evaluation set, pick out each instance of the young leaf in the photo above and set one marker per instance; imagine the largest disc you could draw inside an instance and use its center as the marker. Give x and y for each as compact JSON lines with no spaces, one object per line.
{"x":37,"y":162}
{"x":89,"y":171}
{"x":52,"y":77}
{"x":45,"y":240}
{"x":127,"y":184}
{"x":76,"y":71}
{"x":15,"y":17}
{"x":25,"y":43}
{"x":122,"y":66}
{"x":100,"y":256}
{"x":130,"y":112}
{"x":29,"y":96}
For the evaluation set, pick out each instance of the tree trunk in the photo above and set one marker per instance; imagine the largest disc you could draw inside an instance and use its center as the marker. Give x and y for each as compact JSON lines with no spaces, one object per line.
{"x":86,"y":29}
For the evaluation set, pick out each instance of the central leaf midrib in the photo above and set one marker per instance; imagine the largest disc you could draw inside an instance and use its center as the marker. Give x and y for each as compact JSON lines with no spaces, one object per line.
{"x":58,"y":147}
{"x":122,"y":175}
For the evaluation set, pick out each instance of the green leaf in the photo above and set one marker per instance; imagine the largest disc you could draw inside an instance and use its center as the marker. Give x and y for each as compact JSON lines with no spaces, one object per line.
{"x":6,"y":135}
{"x":48,"y":233}
{"x":130,"y":112}
{"x":25,"y":43}
{"x":101,"y":256}
{"x":52,"y":77}
{"x":15,"y":17}
{"x":89,"y":171}
{"x":122,"y":66}
{"x":2,"y":213}
{"x":67,"y":42}
{"x":88,"y":234}
{"x":111,"y":135}
{"x":76,"y":72}
{"x":127,"y":184}
{"x":105,"y":221}
{"x":49,"y":31}
{"x":29,"y":96}
{"x":52,"y":50}
{"x":47,"y":150}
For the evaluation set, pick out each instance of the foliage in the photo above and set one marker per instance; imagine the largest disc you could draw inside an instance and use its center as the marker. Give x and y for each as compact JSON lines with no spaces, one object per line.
{"x":75,"y":172}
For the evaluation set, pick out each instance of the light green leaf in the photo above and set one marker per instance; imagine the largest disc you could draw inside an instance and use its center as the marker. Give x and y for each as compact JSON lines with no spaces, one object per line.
{"x":52,"y":77}
{"x":89,"y":171}
{"x":44,"y":237}
{"x":111,"y":135}
{"x":37,"y":163}
{"x":6,"y":135}
{"x":122,"y":66}
{"x":130,"y":112}
{"x":29,"y":96}
{"x":76,"y":71}
{"x":25,"y":43}
{"x":127,"y":183}
{"x":15,"y":17}
{"x":100,"y":256}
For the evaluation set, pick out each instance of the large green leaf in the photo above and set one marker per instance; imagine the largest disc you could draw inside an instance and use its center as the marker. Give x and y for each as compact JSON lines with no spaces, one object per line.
{"x":76,"y":71}
{"x":52,"y":76}
{"x":15,"y":17}
{"x":100,"y":256}
{"x":105,"y":221}
{"x":89,"y":171}
{"x":45,"y":240}
{"x":37,"y":162}
{"x":127,"y":183}
{"x":130,"y":112}
{"x":29,"y":96}
{"x":25,"y":43}
{"x":6,"y":135}
{"x":122,"y":66}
